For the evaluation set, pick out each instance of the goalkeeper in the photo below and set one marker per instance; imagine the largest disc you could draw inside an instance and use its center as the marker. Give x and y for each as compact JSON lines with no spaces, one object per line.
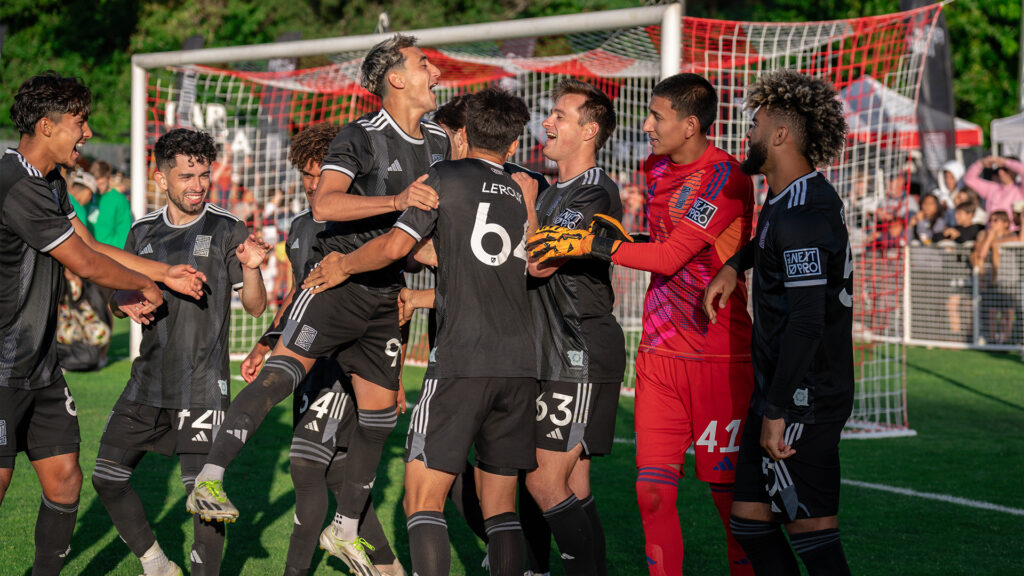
{"x":694,"y":379}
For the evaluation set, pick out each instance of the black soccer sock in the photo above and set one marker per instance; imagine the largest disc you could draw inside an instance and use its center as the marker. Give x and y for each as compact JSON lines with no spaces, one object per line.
{"x":54,"y":526}
{"x":463,"y":495}
{"x":278,"y":378}
{"x":310,"y":511}
{"x":428,"y":544}
{"x":822,"y":552}
{"x":365,"y":448}
{"x":291,"y":571}
{"x":207,"y":537}
{"x":571,"y":527}
{"x":766,"y":547}
{"x":535,"y":529}
{"x":371,"y":530}
{"x":112,"y":482}
{"x":505,"y":549}
{"x":589,"y":506}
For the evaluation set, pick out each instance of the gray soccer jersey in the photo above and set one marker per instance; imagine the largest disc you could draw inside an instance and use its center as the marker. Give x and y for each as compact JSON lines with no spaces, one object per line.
{"x":184,"y":353}
{"x":382,"y":160}
{"x":578,"y":339}
{"x":301,"y":241}
{"x":35,"y":218}
{"x":484,"y":327}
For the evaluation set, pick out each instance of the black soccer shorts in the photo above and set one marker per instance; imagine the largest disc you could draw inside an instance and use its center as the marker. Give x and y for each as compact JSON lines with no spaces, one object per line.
{"x":136,"y":427}
{"x":361,"y":322}
{"x":570,"y":413}
{"x":494,"y":414}
{"x":325,"y":414}
{"x":41,"y":422}
{"x":805,"y":485}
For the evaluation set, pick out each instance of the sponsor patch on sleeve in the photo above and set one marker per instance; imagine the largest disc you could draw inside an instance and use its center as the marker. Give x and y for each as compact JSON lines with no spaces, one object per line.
{"x":802,"y":262}
{"x":701,"y":212}
{"x":569,"y":219}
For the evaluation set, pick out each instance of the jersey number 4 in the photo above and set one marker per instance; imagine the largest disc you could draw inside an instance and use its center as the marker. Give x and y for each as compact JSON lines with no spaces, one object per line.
{"x":707,"y":439}
{"x":482,"y":228}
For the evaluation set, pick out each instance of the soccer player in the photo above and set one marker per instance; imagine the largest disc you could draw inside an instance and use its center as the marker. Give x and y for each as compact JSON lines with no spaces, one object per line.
{"x":39,"y":235}
{"x":480,"y":386}
{"x":580,"y":346}
{"x":324,"y":411}
{"x":174,"y":401}
{"x":788,"y":469}
{"x":694,"y":379}
{"x":369,"y":176}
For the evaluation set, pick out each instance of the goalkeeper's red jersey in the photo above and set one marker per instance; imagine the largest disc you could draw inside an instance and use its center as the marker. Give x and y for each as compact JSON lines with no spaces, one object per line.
{"x":700,"y":214}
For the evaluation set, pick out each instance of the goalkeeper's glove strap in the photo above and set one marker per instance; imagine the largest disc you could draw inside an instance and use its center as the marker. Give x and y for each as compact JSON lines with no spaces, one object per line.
{"x":602,"y":248}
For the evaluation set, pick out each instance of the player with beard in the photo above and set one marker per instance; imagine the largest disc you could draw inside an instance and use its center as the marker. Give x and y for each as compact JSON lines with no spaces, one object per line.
{"x":694,"y":378}
{"x":480,"y":384}
{"x":39,"y":235}
{"x":324,"y":411}
{"x":373,"y":171}
{"x":175,"y":399}
{"x":788,"y":469}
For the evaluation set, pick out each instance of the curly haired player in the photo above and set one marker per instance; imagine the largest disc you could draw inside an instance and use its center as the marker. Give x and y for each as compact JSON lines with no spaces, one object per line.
{"x":788,"y":469}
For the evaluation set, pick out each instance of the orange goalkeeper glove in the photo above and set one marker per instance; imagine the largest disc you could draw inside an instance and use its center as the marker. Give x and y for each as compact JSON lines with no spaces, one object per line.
{"x":600,"y":241}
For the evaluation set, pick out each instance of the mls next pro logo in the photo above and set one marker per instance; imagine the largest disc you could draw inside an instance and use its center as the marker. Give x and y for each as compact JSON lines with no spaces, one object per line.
{"x":802,"y":262}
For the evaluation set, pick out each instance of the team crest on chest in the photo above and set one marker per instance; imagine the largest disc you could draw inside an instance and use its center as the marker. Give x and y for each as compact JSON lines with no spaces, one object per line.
{"x":202,"y":247}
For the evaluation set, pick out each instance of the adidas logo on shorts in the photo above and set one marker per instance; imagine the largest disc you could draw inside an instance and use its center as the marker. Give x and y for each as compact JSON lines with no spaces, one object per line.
{"x":201,"y":437}
{"x":312,"y":426}
{"x":555,"y":434}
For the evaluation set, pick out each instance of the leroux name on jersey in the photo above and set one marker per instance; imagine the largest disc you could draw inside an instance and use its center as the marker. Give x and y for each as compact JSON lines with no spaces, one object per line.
{"x":495,"y":188}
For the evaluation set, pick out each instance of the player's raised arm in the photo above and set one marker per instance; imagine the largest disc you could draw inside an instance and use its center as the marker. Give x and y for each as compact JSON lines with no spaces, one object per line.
{"x":179,"y":278}
{"x":251,"y":255}
{"x":98,"y":268}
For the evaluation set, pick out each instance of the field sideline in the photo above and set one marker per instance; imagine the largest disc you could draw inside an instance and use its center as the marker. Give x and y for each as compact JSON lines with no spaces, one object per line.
{"x":909,"y":505}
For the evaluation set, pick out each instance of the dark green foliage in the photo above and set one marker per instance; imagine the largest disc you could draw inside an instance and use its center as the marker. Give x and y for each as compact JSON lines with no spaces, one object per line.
{"x":94,"y":39}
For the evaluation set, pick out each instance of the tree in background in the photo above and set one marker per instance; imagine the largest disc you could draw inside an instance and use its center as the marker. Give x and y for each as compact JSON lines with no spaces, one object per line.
{"x":94,"y":39}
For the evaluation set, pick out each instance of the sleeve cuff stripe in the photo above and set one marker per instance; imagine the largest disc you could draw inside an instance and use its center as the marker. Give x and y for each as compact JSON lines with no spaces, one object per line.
{"x":405,"y":228}
{"x":58,"y":241}
{"x":336,"y":168}
{"x":802,"y":283}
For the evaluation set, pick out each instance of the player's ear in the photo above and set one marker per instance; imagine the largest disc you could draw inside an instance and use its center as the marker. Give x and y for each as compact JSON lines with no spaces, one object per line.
{"x":692,"y":127}
{"x":781,"y":135}
{"x":590,"y":130}
{"x":512,"y":149}
{"x":161,"y":180}
{"x":44,"y":127}
{"x":396,"y":79}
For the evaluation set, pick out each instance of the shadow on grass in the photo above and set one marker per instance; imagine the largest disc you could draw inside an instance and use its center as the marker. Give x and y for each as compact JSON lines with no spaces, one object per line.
{"x":965,"y":387}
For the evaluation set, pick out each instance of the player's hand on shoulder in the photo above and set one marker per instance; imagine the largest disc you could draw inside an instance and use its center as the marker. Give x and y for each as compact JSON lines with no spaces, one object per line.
{"x":253,"y":251}
{"x":417,"y":195}
{"x":136,"y":305}
{"x":720,"y":287}
{"x":185,"y":279}
{"x":528,"y":185}
{"x":327,"y":274}
{"x":254,"y":362}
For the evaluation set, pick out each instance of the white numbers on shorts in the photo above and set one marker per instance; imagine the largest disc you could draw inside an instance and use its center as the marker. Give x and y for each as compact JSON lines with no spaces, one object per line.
{"x":393,"y":349}
{"x":206,"y":421}
{"x":563,"y":408}
{"x":708,"y":440}
{"x":69,"y":402}
{"x":322,"y":404}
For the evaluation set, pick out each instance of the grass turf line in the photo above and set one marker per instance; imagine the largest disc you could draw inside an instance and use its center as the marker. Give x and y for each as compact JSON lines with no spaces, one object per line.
{"x":967,"y":407}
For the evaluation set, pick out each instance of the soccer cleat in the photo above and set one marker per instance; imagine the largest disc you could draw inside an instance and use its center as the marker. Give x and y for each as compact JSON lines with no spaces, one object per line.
{"x":351,"y":552}
{"x":172,"y":570}
{"x":210,"y":503}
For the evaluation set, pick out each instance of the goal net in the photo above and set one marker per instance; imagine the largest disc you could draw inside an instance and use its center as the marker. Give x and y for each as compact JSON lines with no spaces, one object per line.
{"x":253,"y":108}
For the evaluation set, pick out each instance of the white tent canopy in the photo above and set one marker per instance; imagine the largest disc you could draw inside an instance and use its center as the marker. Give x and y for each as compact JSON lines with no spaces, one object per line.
{"x":1008,"y":135}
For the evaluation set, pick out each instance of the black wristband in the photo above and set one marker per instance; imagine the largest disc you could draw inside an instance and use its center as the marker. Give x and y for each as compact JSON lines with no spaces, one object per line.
{"x":602,"y":248}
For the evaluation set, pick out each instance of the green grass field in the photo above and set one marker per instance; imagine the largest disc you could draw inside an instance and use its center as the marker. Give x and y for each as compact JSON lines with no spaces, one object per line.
{"x":967,"y":408}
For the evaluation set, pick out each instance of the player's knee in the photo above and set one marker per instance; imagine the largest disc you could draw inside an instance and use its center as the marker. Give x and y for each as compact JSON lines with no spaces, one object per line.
{"x":62,"y":483}
{"x":654,"y":495}
{"x":376,"y":425}
{"x":110,"y":479}
{"x":306,"y":472}
{"x":541,"y":484}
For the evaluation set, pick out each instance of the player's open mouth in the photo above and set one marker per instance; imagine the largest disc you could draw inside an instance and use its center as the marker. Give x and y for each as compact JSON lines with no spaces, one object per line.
{"x":551,"y":136}
{"x":195,"y":198}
